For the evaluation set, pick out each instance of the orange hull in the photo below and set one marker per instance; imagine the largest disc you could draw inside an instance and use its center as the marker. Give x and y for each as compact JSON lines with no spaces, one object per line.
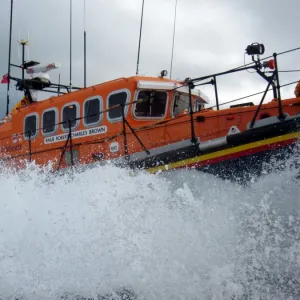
{"x":104,"y":139}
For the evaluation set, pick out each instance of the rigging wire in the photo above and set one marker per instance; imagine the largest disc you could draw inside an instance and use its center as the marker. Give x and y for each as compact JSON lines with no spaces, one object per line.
{"x":248,"y":96}
{"x":284,"y":71}
{"x":280,"y":53}
{"x":246,"y":65}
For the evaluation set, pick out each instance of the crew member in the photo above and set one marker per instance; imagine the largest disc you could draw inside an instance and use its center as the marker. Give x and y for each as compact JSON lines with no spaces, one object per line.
{"x":297,"y":89}
{"x":24,"y":102}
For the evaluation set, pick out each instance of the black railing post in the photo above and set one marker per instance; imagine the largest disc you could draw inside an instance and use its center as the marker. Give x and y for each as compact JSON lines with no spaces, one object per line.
{"x":29,"y":145}
{"x":71,"y":144}
{"x":216,"y":92}
{"x":63,"y":152}
{"x":280,"y":112}
{"x":261,"y":101}
{"x":269,"y":78}
{"x":136,"y":136}
{"x":193,"y":138}
{"x":124,"y":132}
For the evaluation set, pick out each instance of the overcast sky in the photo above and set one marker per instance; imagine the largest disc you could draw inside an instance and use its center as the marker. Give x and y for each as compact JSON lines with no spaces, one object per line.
{"x":211,"y":36}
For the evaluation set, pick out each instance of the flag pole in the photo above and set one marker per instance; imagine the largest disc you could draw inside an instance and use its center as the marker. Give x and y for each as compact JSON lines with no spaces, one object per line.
{"x":9,"y":56}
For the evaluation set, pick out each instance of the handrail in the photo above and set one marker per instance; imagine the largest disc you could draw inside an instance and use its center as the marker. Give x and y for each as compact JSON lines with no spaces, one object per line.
{"x":255,"y":64}
{"x":190,"y":83}
{"x":138,"y":101}
{"x":241,"y":68}
{"x":69,"y":139}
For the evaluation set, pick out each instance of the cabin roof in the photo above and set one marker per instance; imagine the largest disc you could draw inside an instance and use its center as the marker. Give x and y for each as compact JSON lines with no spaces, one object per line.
{"x":159,"y":83}
{"x":142,"y":82}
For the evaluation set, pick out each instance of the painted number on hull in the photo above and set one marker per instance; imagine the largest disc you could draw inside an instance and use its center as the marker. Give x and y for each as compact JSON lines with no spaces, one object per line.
{"x":76,"y":134}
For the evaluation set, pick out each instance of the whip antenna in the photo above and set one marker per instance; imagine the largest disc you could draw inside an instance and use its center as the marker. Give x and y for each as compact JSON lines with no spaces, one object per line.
{"x":84,"y":45}
{"x":28,"y":48}
{"x":9,"y":56}
{"x":71,"y":44}
{"x":141,"y":26}
{"x":173,"y":39}
{"x":18,"y":46}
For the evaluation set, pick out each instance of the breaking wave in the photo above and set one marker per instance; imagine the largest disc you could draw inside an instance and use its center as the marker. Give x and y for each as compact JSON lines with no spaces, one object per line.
{"x":111,"y":233}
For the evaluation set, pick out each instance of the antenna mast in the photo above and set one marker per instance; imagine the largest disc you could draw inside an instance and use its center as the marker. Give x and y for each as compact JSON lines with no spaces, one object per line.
{"x":71,"y":44}
{"x":28,"y":44}
{"x":173,"y":39}
{"x":23,"y":43}
{"x":9,"y":56}
{"x":84,"y":42}
{"x":141,"y":26}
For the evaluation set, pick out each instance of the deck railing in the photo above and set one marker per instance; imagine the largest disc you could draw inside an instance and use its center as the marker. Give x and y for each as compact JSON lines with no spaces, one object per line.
{"x":272,"y":80}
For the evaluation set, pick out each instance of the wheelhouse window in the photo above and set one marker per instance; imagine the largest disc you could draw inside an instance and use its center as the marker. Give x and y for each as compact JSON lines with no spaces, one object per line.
{"x":49,"y":121}
{"x":152,"y":104}
{"x":198,"y":105}
{"x":181,"y":103}
{"x":70,"y":113}
{"x":30,"y":126}
{"x":92,"y":108}
{"x":114,"y":99}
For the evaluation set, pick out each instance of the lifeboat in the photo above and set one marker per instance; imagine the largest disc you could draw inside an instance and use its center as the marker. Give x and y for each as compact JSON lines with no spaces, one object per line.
{"x":151,"y":123}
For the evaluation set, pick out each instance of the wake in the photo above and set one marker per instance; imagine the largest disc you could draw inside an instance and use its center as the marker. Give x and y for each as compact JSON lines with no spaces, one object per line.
{"x":109,"y":233}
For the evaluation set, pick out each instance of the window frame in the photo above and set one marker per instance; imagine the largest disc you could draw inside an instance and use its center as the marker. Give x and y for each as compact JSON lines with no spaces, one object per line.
{"x":115,"y":120}
{"x":56,"y":121}
{"x":173,"y":102}
{"x":36,"y":125}
{"x":149,"y":118}
{"x":198,"y":103}
{"x":77,"y":116}
{"x":100,"y":109}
